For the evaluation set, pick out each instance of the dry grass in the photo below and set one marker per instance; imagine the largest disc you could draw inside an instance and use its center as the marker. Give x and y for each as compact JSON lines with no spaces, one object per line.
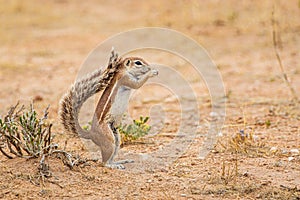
{"x":48,"y":40}
{"x":282,"y":68}
{"x":244,"y":143}
{"x":227,"y":181}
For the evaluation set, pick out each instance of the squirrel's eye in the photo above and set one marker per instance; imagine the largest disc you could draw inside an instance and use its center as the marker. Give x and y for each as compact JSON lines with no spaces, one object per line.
{"x":138,"y":62}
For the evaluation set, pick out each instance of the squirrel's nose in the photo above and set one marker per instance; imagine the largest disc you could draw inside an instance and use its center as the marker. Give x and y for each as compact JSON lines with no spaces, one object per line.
{"x":146,"y":69}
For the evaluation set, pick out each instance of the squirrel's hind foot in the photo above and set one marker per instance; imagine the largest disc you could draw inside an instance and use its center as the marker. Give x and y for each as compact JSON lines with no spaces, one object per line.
{"x":118,"y":164}
{"x":114,"y":166}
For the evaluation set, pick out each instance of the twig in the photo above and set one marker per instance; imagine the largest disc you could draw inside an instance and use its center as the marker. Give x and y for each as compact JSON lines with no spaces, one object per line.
{"x":275,"y":45}
{"x":4,"y":153}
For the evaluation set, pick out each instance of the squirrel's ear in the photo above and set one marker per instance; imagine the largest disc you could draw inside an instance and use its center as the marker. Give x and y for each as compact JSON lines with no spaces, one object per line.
{"x":127,"y":62}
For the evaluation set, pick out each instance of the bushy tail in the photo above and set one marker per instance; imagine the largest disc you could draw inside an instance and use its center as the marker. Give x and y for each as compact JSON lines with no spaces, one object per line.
{"x":81,"y":90}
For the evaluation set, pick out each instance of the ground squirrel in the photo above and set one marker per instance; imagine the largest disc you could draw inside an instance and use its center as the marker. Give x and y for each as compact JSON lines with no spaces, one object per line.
{"x":121,"y":75}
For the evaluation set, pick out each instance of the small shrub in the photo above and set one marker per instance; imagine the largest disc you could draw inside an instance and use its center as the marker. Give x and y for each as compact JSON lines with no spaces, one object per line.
{"x":88,"y":126}
{"x":244,"y":143}
{"x":138,"y":129}
{"x":23,"y":134}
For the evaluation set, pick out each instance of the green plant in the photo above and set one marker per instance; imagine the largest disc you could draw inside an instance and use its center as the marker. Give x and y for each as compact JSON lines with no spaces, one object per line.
{"x":138,"y":129}
{"x":87,"y":126}
{"x":268,"y":123}
{"x":23,"y":134}
{"x":233,"y":16}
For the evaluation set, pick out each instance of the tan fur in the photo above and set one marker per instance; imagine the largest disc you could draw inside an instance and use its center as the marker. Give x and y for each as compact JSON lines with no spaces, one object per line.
{"x":81,"y":90}
{"x":117,"y":80}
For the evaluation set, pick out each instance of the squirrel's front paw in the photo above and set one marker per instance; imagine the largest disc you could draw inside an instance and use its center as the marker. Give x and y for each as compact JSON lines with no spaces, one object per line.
{"x":153,"y":72}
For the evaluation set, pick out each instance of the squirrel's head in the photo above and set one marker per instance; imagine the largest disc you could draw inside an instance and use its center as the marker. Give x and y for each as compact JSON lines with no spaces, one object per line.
{"x":136,"y":66}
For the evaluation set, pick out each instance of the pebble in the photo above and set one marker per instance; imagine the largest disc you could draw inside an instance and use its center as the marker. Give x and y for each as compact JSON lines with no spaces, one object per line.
{"x":213,"y":114}
{"x":290,"y":158}
{"x":273,"y":149}
{"x":255,"y":137}
{"x":295,"y":152}
{"x":284,"y":151}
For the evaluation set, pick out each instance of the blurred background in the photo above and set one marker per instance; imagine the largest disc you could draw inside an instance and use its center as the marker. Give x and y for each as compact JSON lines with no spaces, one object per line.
{"x":43,"y":43}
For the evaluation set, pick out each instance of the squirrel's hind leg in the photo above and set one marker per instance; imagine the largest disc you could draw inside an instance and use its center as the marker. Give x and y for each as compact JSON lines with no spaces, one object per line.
{"x":117,"y":164}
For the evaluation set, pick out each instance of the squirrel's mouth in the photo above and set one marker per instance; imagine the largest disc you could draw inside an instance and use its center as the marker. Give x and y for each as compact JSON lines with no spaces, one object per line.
{"x":145,"y":70}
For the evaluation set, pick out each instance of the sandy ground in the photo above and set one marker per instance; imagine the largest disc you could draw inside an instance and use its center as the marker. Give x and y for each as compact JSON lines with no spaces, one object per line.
{"x":44,"y":43}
